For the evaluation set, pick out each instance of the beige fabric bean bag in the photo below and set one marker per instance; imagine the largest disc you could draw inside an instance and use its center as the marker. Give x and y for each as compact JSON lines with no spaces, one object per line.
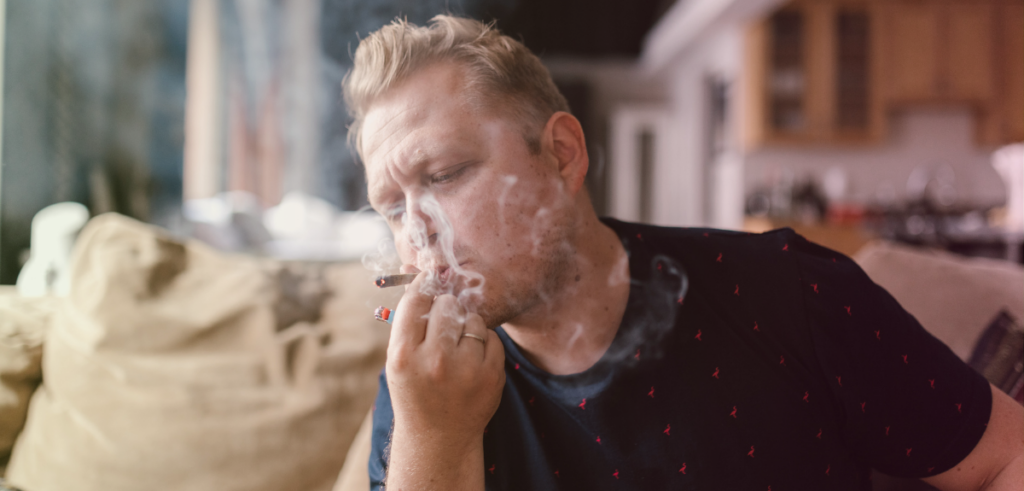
{"x":172,"y":366}
{"x":23,"y":324}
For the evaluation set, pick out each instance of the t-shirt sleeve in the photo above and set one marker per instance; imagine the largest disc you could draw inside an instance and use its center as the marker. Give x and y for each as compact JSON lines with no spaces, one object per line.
{"x":911,"y":407}
{"x":380,"y":439}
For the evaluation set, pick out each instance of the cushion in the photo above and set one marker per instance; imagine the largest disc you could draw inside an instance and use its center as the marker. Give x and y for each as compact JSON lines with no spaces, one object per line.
{"x":952,"y":296}
{"x":23,"y":324}
{"x":173,"y":366}
{"x":354,"y":475}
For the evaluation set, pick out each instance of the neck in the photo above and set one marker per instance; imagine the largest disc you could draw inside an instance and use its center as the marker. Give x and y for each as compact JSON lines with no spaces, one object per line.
{"x":570,"y":332}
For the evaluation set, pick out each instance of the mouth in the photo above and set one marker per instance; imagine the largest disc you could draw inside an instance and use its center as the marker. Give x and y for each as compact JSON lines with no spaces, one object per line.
{"x":446,"y":275}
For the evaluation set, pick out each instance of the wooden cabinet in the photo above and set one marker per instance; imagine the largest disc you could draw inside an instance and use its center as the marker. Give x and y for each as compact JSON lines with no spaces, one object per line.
{"x":1001,"y":116}
{"x":910,"y":55}
{"x":829,"y":71}
{"x":968,"y":40}
{"x":1007,"y":109}
{"x":812,"y":68}
{"x":937,"y":52}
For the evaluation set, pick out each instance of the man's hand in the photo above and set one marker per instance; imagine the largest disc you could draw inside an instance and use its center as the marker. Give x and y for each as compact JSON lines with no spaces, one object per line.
{"x":444,"y":387}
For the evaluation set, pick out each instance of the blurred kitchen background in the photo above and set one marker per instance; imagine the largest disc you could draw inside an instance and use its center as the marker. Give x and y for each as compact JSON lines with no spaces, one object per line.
{"x":222,"y":119}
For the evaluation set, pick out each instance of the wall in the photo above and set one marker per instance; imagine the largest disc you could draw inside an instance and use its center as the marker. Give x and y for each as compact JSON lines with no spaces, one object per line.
{"x":611,"y":84}
{"x":692,"y":174}
{"x":676,"y":99}
{"x":923,"y":136}
{"x":687,"y":188}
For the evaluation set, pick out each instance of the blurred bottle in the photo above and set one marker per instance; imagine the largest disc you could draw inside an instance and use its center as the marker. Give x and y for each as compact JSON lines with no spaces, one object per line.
{"x":1009,"y":163}
{"x":54,"y":230}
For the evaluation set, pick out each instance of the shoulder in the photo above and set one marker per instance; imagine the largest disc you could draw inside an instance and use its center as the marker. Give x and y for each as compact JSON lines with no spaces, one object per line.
{"x":771,"y":270}
{"x":699,"y":242}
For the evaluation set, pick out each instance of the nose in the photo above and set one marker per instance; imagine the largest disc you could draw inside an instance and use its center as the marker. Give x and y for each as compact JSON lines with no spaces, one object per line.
{"x":419,"y":227}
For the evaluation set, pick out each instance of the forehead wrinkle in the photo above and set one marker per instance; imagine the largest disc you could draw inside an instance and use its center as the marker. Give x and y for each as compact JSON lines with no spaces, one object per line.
{"x":393,"y":130}
{"x":399,"y":120}
{"x":404,"y":166}
{"x":383,"y":162}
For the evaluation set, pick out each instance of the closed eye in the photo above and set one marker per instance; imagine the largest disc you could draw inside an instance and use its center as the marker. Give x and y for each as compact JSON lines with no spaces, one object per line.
{"x":395,"y":213}
{"x":447,"y":176}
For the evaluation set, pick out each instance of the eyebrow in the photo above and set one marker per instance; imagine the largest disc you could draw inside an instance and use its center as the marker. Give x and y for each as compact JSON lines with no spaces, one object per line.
{"x":415,"y":165}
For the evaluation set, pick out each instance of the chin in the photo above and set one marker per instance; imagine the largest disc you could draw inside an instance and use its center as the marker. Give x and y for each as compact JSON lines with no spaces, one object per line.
{"x":497,"y":311}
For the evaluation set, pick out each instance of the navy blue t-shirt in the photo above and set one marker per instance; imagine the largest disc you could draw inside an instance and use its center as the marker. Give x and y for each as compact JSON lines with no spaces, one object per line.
{"x":743,"y":362}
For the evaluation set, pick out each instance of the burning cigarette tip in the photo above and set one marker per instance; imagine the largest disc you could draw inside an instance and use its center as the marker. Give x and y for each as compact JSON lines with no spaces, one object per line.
{"x":384,"y":314}
{"x":391,"y":280}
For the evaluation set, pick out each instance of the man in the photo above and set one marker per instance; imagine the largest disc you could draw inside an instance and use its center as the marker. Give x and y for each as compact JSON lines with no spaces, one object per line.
{"x":543,"y":348}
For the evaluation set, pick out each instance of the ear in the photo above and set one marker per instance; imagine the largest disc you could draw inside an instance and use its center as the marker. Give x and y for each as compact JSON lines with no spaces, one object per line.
{"x":564,"y":144}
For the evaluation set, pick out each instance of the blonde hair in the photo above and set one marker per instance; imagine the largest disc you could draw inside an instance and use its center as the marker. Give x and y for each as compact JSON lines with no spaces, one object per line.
{"x":499,"y":70}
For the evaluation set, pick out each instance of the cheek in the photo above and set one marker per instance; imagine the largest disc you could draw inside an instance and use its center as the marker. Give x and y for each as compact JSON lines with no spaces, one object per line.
{"x":402,"y":247}
{"x":496,"y":213}
{"x":404,"y":252}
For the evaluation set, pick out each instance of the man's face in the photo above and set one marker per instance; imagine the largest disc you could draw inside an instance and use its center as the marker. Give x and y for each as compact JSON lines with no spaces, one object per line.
{"x":464,"y":196}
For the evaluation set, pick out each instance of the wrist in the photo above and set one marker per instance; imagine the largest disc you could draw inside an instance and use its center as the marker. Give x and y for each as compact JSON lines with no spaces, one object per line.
{"x":433,"y":460}
{"x":439,"y":439}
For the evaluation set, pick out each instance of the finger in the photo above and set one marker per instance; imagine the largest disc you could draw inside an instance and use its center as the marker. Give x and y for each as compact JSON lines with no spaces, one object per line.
{"x":475,"y":326}
{"x":410,"y":324}
{"x":446,"y":322}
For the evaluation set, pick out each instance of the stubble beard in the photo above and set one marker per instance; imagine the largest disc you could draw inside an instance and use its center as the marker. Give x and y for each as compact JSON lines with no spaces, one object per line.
{"x":553,"y":267}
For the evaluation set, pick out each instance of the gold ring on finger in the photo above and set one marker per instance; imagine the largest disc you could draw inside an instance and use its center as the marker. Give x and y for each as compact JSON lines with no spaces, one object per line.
{"x":474,"y":336}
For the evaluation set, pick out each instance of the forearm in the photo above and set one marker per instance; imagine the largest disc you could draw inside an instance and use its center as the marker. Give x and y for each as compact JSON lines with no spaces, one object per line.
{"x":424,"y":462}
{"x":1010,"y":478}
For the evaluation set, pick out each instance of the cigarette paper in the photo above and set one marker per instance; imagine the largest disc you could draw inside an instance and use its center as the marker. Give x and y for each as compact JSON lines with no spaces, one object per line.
{"x":391,"y":280}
